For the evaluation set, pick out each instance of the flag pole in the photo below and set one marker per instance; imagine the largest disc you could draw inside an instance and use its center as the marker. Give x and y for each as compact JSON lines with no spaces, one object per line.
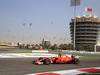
{"x":85,"y":11}
{"x":90,"y":13}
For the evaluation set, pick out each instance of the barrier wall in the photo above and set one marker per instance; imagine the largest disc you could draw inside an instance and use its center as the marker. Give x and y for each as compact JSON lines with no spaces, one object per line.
{"x":85,"y":52}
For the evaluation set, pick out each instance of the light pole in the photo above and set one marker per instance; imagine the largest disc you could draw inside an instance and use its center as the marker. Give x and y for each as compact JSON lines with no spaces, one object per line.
{"x":74,"y":3}
{"x":23,"y":31}
{"x":30,"y":34}
{"x":8,"y":36}
{"x":64,"y":40}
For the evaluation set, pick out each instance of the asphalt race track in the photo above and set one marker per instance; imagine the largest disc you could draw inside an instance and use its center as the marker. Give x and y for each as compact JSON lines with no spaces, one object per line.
{"x":23,"y":66}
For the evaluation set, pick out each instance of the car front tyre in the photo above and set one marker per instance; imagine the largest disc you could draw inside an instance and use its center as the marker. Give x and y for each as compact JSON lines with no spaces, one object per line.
{"x":47,"y":61}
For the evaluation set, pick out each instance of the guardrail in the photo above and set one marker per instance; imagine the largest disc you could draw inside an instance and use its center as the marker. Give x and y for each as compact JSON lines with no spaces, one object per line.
{"x":84,"y":52}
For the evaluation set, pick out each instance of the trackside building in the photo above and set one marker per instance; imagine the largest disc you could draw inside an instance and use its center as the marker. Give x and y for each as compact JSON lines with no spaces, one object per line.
{"x":87,"y":30}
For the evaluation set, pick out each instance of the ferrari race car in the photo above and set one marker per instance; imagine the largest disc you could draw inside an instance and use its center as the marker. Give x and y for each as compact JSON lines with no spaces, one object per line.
{"x":60,"y":59}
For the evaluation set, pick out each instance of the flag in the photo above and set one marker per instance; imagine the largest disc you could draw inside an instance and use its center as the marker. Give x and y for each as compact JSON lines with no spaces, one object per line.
{"x":88,"y":9}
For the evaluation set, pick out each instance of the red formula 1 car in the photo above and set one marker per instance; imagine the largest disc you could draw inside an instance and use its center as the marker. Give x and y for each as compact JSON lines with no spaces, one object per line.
{"x":60,"y":59}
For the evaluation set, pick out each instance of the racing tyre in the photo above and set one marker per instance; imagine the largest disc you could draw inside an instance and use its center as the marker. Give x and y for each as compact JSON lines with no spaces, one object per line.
{"x":47,"y":61}
{"x":33,"y":62}
{"x":76,"y":61}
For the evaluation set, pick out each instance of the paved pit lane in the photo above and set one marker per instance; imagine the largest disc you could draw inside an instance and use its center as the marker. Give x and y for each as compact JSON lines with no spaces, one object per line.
{"x":23,"y":66}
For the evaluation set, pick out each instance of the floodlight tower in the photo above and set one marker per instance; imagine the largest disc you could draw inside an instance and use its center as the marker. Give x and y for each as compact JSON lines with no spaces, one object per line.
{"x":74,"y":3}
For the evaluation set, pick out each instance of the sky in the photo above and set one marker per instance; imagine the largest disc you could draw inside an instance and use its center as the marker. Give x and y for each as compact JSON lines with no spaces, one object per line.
{"x":49,"y":19}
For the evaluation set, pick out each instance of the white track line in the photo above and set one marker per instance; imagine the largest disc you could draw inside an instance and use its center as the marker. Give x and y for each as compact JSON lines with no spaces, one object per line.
{"x":65,"y":72}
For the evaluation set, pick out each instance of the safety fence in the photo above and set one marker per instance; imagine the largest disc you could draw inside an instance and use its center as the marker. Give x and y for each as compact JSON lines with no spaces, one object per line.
{"x":84,"y":52}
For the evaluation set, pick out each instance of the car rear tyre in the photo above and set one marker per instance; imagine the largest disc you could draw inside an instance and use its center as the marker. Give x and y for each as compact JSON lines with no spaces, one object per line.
{"x":47,"y":61}
{"x":76,"y":61}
